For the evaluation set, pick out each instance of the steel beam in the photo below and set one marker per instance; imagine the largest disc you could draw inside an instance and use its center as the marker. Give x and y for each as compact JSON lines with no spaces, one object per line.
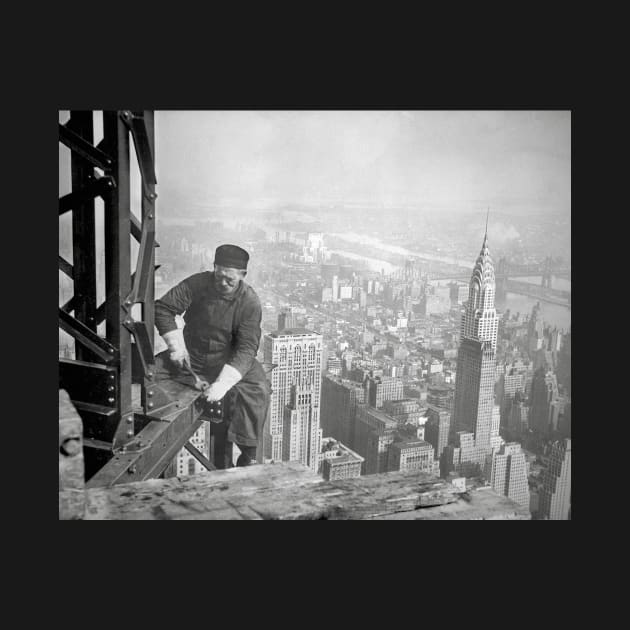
{"x":118,"y":261}
{"x":200,"y":457}
{"x":86,"y":336}
{"x":153,"y":448}
{"x":81,"y":146}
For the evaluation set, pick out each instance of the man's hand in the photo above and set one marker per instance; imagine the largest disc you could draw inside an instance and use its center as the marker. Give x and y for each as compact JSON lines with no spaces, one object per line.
{"x":228,"y":377}
{"x":175,"y":341}
{"x":216,"y":391}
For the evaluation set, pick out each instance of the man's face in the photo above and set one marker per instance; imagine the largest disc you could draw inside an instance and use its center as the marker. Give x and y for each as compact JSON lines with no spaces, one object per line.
{"x":227,"y":279}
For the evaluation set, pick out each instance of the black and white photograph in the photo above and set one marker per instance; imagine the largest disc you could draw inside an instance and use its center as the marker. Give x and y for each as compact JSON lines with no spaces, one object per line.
{"x":315,"y":314}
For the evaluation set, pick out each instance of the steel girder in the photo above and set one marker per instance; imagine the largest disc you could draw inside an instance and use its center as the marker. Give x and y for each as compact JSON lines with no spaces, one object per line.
{"x":100,"y":378}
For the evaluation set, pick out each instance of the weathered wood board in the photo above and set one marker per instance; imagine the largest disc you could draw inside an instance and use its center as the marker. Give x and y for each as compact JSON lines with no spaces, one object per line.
{"x":71,"y":465}
{"x":291,"y":491}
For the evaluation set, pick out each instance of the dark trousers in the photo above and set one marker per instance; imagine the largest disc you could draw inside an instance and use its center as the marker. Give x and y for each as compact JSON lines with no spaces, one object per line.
{"x":245,"y":406}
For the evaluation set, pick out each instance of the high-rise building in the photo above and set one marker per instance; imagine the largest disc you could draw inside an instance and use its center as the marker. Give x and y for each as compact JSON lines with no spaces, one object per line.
{"x":506,"y":470}
{"x":437,"y":429}
{"x":338,"y":408}
{"x":301,"y":434}
{"x":555,"y":494}
{"x":410,"y":454}
{"x":544,"y":392}
{"x":460,"y":455}
{"x":440,"y":395}
{"x":381,"y":388}
{"x":297,"y":354}
{"x":535,"y":330}
{"x":337,"y":461}
{"x":404,"y":411}
{"x":474,"y":389}
{"x":375,"y":433}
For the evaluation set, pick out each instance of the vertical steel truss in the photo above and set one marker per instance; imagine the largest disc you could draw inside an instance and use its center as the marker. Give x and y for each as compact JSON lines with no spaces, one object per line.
{"x":99,"y":379}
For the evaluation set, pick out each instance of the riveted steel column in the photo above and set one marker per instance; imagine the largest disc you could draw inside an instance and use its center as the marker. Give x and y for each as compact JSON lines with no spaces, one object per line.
{"x":118,"y":267}
{"x":148,"y":222}
{"x":83,"y":235}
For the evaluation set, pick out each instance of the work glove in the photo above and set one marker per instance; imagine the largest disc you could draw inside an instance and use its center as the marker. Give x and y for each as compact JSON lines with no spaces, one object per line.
{"x":228,"y":377}
{"x":175,"y":341}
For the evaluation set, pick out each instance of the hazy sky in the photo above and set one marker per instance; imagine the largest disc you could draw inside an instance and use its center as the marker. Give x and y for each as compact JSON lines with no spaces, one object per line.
{"x":510,"y":160}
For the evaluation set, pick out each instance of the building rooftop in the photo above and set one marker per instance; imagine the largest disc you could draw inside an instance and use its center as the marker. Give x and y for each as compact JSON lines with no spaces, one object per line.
{"x":293,"y":332}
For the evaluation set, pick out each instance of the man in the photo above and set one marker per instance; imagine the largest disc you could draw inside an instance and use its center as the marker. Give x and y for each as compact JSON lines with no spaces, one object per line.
{"x":220,"y":339}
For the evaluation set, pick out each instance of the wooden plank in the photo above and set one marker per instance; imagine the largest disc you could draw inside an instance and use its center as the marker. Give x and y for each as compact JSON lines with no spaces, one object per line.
{"x":71,"y":465}
{"x":272,"y":492}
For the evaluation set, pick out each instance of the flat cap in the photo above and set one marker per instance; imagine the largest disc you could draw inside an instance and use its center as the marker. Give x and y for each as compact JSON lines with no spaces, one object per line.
{"x":231,"y":256}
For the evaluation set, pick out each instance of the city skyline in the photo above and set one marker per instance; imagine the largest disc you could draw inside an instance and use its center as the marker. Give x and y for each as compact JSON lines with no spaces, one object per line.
{"x":390,"y":341}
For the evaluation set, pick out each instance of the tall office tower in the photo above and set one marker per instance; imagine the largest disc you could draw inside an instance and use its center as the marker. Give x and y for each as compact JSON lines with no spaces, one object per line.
{"x":460,"y":455}
{"x":410,"y":454}
{"x":510,"y":382}
{"x":437,"y":429}
{"x":404,"y":411}
{"x":506,"y":470}
{"x":518,"y":415}
{"x":474,"y":388}
{"x":375,"y":433}
{"x":441,"y":396}
{"x":338,"y":408}
{"x":337,"y":461}
{"x":297,"y":354}
{"x":335,"y":288}
{"x":290,"y":317}
{"x":381,"y":388}
{"x":301,"y":434}
{"x":564,"y":363}
{"x":544,"y":392}
{"x":535,"y":330}
{"x":555,"y":495}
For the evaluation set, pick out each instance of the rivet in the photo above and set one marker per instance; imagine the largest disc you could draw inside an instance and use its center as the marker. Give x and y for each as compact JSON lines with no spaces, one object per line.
{"x":150,"y":393}
{"x":150,"y":405}
{"x":150,"y":216}
{"x":150,"y":374}
{"x":127,"y":321}
{"x":131,"y":470}
{"x":111,"y":350}
{"x":130,"y":433}
{"x":111,"y":400}
{"x":129,"y":419}
{"x":110,"y":388}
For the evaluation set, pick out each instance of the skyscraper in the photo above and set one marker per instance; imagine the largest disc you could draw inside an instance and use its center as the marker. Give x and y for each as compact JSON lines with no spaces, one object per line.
{"x":297,"y":354}
{"x":301,"y":434}
{"x":437,"y":429}
{"x":474,"y":388}
{"x":338,"y":408}
{"x":544,"y":394}
{"x":506,"y":471}
{"x":382,"y":388}
{"x":555,"y":495}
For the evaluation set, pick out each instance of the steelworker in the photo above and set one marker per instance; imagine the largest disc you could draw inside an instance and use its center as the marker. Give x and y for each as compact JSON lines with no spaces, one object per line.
{"x":219,"y":340}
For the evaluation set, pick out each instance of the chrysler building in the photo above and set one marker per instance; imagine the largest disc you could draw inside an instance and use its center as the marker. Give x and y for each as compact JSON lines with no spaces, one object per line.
{"x":474,"y":387}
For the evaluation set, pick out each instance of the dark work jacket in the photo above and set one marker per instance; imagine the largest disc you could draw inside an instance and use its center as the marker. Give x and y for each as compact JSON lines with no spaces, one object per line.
{"x":223,"y":329}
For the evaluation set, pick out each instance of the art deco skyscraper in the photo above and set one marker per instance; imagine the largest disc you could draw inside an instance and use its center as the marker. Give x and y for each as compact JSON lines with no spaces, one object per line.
{"x":474,"y":388}
{"x":297,"y":354}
